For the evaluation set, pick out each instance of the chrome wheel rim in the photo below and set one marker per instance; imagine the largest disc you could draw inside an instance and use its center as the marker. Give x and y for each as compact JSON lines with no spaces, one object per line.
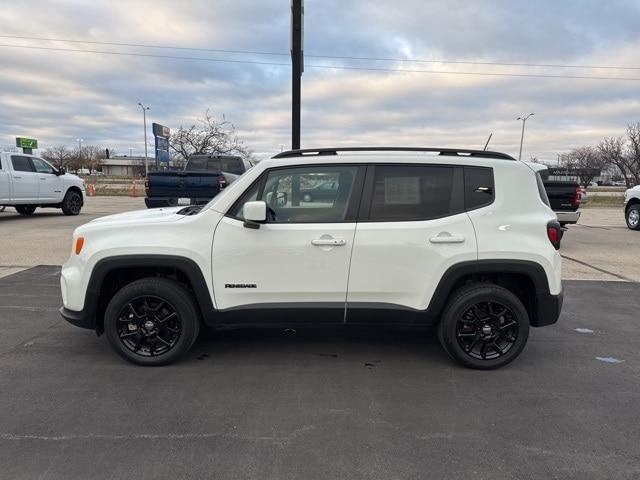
{"x":633,"y":217}
{"x":487,"y":330}
{"x":149,"y":326}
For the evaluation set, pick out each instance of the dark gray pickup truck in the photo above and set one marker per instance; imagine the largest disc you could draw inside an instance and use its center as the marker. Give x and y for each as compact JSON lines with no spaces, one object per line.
{"x":201,"y":180}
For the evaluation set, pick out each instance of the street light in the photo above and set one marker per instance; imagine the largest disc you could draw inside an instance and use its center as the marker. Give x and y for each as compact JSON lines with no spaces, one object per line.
{"x":144,"y":117}
{"x":524,"y":120}
{"x":80,"y":140}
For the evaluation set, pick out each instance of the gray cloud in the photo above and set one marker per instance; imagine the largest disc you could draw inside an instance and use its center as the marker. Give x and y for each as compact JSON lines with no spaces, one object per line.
{"x":60,"y":96}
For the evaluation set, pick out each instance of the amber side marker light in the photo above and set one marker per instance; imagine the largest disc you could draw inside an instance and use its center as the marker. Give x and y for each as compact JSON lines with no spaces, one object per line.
{"x":79,"y":245}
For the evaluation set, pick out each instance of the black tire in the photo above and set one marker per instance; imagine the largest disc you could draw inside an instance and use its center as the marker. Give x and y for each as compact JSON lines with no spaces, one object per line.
{"x":25,"y":209}
{"x":131,"y":336}
{"x":632,"y":216}
{"x":72,"y":203}
{"x":489,"y":319}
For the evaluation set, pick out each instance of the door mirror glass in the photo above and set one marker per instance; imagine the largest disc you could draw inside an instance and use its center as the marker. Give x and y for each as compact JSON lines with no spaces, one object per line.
{"x":254,"y":214}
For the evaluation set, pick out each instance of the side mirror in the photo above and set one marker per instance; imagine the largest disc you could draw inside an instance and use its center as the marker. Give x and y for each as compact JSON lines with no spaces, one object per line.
{"x":254,"y":214}
{"x":60,"y":171}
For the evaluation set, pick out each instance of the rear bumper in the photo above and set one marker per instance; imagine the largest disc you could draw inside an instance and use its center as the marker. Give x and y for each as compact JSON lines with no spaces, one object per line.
{"x":548,"y":308}
{"x":158,"y":202}
{"x":79,"y":319}
{"x":567,"y":218}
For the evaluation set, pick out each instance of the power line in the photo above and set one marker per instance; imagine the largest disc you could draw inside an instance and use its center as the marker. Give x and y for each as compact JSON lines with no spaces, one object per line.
{"x":331,"y":67}
{"x":337,"y":57}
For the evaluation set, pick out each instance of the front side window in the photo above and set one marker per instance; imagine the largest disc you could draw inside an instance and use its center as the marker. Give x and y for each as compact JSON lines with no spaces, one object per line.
{"x":21,"y":163}
{"x":415,"y":192}
{"x":42,"y":166}
{"x":311,"y":194}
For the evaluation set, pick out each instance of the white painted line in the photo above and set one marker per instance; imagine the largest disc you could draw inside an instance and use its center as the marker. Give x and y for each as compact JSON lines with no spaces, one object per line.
{"x":584,"y":330}
{"x":609,"y":360}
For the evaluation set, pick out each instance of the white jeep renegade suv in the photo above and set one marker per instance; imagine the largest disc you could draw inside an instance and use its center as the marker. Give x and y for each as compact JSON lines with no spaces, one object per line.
{"x":461,"y":239}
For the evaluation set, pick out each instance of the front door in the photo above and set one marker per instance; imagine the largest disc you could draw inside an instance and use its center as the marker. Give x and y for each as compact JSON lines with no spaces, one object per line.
{"x":50,"y":184}
{"x":296,"y":265}
{"x":25,"y":179}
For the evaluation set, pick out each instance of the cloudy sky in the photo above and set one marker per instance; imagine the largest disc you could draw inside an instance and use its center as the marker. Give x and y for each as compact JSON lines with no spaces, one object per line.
{"x":59,"y":96}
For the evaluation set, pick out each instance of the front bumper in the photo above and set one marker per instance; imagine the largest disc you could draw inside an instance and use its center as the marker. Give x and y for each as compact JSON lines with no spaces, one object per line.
{"x":548,"y":308}
{"x":79,"y":319}
{"x":566,"y":218}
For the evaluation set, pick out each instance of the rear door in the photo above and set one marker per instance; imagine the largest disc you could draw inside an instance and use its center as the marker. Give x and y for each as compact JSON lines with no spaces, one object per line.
{"x":25,"y":179}
{"x":412,"y":228}
{"x":297,"y":263}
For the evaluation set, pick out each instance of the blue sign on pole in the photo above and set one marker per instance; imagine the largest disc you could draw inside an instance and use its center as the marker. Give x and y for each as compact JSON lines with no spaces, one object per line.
{"x":161,"y":134}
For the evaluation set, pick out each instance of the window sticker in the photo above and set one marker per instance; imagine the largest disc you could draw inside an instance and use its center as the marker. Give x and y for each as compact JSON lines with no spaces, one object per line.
{"x":402,"y":190}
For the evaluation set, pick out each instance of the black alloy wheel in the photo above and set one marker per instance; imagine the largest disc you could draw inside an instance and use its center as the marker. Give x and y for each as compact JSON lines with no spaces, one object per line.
{"x":72,"y":203}
{"x":484,"y":326}
{"x":152,"y":321}
{"x":149,"y":326}
{"x":487,"y":330}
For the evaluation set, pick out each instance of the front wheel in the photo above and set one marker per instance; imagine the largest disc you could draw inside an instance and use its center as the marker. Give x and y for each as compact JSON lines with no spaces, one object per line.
{"x":25,"y":209}
{"x":633,"y":217}
{"x":72,"y":203}
{"x":484,"y":327}
{"x":152,"y":321}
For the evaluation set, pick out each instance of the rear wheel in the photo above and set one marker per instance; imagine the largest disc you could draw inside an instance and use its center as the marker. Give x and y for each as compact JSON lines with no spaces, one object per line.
{"x":633,"y":217}
{"x":484,"y":327}
{"x":152,"y":321}
{"x":25,"y":209}
{"x":72,"y":203}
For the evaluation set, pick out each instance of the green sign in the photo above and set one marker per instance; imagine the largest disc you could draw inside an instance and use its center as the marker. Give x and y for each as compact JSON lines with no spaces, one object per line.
{"x":26,"y":142}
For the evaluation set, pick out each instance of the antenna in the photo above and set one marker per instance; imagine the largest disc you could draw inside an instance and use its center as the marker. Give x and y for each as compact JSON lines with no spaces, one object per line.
{"x":488,"y":140}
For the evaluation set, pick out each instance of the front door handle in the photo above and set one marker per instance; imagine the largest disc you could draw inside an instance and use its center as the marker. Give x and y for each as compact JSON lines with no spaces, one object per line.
{"x":331,"y":242}
{"x":446,"y":237}
{"x":16,"y":176}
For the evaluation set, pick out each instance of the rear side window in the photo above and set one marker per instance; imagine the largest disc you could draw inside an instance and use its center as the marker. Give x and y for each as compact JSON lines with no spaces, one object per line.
{"x":22,"y":164}
{"x":478,"y":187}
{"x":233,"y":165}
{"x":415,"y":192}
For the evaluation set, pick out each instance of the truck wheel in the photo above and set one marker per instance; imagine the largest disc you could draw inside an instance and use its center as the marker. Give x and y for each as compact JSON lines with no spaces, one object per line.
{"x":72,"y":203}
{"x":25,"y":209}
{"x":633,"y":217}
{"x":152,"y":321}
{"x":484,"y":327}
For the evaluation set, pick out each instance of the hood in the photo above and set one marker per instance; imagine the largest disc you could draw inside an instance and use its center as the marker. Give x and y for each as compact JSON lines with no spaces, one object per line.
{"x":151,"y":215}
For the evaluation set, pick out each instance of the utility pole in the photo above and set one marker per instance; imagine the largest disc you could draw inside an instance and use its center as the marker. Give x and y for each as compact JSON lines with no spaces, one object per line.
{"x":297,"y":67}
{"x":524,"y":121}
{"x":144,"y":119}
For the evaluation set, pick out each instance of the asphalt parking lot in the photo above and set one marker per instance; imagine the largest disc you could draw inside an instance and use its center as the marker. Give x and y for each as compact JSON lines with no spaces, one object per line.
{"x":320,"y":404}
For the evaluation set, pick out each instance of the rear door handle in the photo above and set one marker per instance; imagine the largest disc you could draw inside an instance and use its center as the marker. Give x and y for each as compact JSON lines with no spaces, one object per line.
{"x":446,"y":237}
{"x":333,"y":242}
{"x":17,"y":176}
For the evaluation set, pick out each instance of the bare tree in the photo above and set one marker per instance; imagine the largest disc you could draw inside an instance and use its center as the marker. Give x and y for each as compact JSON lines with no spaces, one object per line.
{"x":58,"y":156}
{"x":93,"y":156}
{"x":632,"y":153}
{"x":611,"y":149}
{"x":587,"y":160}
{"x":208,"y":136}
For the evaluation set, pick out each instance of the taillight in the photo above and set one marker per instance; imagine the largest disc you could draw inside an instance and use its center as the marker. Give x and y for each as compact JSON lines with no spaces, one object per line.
{"x":222,"y":182}
{"x":554,"y":233}
{"x":577,"y":198}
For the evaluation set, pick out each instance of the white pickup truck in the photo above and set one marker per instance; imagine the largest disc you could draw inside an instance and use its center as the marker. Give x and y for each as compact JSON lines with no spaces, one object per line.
{"x":28,"y":182}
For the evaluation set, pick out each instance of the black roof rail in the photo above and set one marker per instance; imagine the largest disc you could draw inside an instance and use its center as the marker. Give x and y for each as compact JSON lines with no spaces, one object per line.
{"x":441,"y":151}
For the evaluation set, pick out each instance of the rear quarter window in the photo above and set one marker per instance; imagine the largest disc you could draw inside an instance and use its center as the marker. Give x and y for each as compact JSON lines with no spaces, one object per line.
{"x":479,"y":188}
{"x":541,"y":190}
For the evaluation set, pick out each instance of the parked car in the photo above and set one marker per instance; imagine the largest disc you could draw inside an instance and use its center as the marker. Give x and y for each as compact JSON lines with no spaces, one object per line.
{"x":461,"y":239}
{"x":632,"y":207}
{"x":28,"y":182}
{"x":202,"y":179}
